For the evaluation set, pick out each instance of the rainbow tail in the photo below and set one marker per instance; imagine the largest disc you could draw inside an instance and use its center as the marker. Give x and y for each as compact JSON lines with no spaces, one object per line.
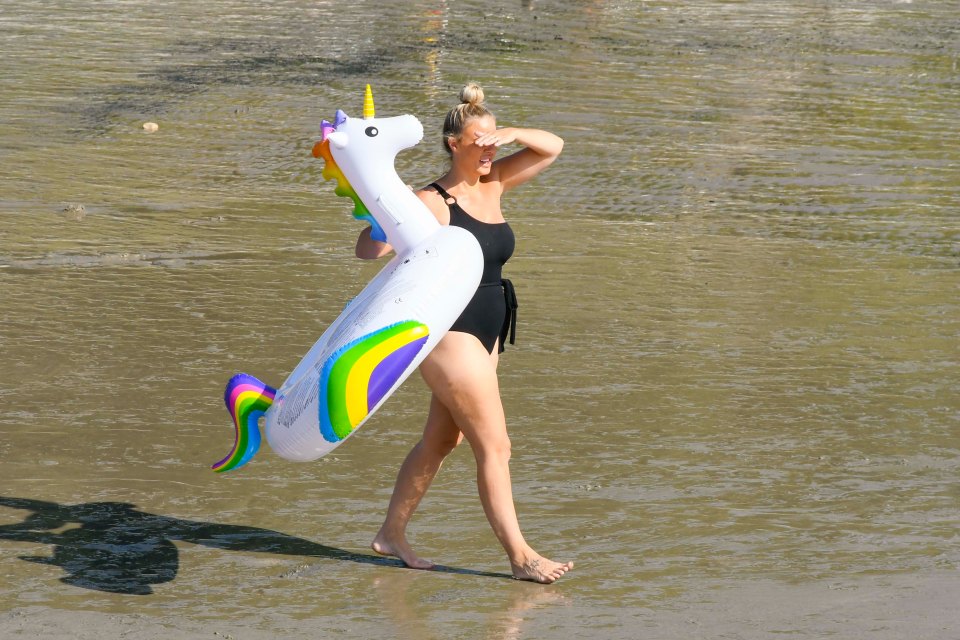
{"x":247,"y":399}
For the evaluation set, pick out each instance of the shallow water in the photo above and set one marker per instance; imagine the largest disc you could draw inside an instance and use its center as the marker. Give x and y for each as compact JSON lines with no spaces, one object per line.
{"x":737,"y":356}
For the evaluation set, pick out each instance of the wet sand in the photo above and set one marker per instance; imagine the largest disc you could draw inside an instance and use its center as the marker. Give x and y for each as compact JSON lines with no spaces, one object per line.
{"x":888,"y":607}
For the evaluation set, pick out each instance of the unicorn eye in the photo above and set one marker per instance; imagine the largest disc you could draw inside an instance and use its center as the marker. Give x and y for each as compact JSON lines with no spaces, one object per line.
{"x":371,"y":132}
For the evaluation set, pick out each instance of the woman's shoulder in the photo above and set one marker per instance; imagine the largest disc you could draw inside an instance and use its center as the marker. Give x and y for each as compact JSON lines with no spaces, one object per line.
{"x":435,"y":202}
{"x":429,"y":193}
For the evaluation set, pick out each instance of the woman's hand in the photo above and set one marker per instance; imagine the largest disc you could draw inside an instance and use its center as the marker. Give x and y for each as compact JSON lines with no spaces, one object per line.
{"x":497,"y":137}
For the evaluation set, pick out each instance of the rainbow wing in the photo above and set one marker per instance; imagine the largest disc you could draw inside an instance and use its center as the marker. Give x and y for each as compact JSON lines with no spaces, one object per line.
{"x":358,"y":375}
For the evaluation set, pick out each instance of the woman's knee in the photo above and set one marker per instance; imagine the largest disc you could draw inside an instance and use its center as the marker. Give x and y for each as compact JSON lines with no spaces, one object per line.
{"x":492,"y":449}
{"x":441,"y":445}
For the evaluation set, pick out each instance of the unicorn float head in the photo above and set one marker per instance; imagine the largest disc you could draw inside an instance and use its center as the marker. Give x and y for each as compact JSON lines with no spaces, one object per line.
{"x":360,"y":155}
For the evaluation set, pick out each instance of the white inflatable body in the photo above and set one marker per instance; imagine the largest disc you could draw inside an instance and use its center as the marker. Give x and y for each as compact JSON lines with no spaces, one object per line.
{"x":389,"y":328}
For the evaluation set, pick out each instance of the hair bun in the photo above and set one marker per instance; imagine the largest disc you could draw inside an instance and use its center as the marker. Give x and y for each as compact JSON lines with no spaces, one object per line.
{"x":471,"y":94}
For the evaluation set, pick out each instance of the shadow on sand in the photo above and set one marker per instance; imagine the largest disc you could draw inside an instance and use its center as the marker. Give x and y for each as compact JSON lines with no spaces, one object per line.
{"x":114,"y":547}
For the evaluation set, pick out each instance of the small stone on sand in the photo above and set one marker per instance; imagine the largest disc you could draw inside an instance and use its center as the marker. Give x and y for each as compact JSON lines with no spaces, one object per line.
{"x":74,"y":212}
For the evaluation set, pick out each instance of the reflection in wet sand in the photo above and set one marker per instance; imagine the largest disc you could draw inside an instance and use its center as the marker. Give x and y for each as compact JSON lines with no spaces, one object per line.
{"x":434,"y":27}
{"x":412,"y":605}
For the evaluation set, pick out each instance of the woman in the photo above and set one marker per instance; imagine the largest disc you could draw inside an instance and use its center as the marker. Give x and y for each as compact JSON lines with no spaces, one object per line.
{"x":461,"y":371}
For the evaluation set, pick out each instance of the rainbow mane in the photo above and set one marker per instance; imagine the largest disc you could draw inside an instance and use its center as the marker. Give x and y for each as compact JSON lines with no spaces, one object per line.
{"x":343,"y":188}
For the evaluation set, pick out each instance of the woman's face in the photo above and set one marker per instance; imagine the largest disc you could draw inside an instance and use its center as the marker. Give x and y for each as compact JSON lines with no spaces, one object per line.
{"x":467,"y":155}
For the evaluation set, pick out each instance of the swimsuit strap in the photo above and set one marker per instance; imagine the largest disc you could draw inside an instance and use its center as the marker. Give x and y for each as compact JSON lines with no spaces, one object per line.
{"x":446,"y":196}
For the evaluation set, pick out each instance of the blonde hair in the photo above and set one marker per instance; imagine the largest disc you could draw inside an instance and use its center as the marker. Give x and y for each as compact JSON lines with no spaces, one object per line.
{"x":471,"y":107}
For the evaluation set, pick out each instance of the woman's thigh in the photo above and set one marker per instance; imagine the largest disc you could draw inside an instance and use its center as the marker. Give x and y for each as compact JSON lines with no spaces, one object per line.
{"x":463,"y":378}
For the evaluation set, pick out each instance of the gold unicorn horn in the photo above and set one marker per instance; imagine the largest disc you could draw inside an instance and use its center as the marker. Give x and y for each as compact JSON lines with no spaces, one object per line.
{"x":368,"y":104}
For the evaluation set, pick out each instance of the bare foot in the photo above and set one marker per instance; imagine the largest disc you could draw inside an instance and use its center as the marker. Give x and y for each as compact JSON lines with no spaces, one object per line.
{"x":539,"y":569}
{"x":399,"y":548}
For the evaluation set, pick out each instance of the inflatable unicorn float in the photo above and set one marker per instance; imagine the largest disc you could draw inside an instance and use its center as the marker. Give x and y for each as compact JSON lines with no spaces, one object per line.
{"x":384,"y":333}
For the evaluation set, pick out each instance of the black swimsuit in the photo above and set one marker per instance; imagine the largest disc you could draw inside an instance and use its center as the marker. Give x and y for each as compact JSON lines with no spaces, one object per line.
{"x":492,"y":313}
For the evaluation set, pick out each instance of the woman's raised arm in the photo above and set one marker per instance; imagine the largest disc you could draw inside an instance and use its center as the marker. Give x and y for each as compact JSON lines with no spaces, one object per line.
{"x":541,"y":148}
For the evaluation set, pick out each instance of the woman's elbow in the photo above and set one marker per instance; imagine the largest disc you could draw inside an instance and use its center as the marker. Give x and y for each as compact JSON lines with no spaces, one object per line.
{"x":558,"y":146}
{"x":367,"y":252}
{"x":369,"y":249}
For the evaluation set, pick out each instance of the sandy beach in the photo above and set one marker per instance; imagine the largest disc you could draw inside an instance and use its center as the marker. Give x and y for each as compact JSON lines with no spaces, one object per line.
{"x":881,"y":607}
